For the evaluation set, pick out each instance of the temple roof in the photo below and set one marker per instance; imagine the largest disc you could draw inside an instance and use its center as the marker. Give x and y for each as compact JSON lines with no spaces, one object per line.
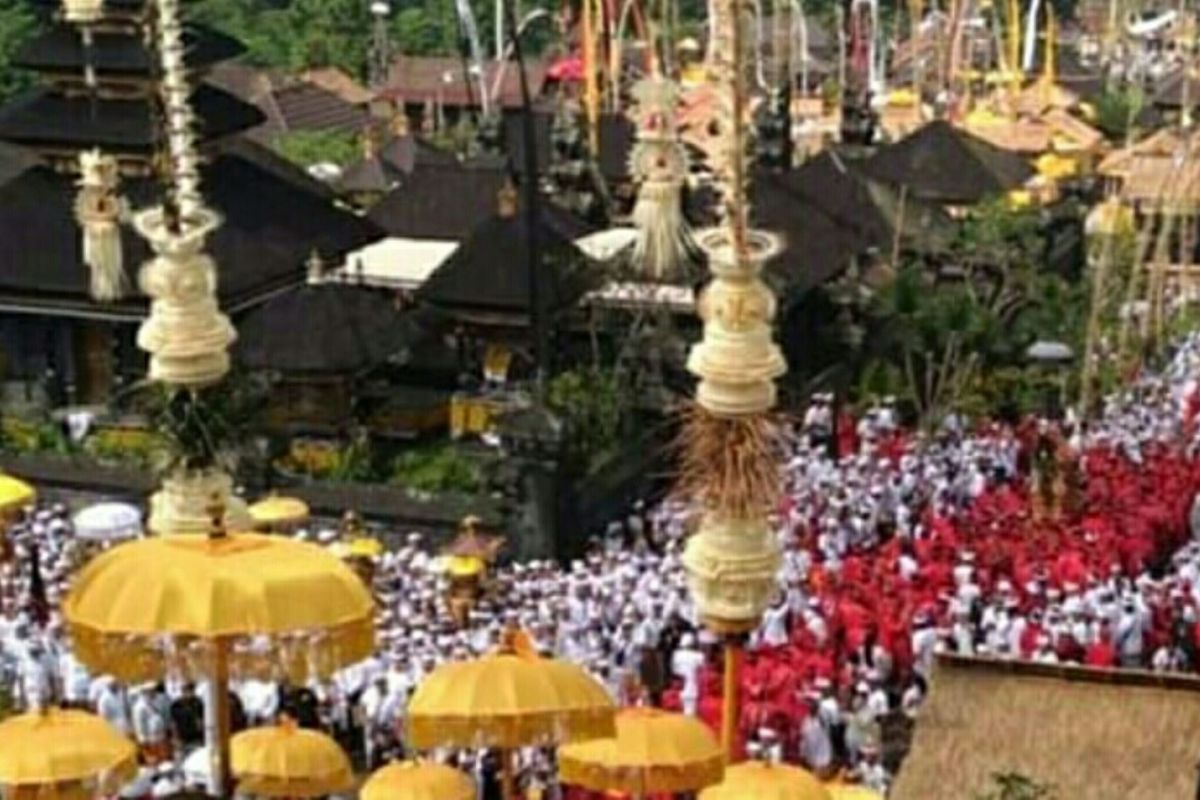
{"x":44,"y":118}
{"x":347,"y":329}
{"x":1067,"y":727}
{"x":942,"y":164}
{"x":489,"y":270}
{"x":871,"y":210}
{"x":369,"y":175}
{"x":394,"y":162}
{"x":816,"y":248}
{"x":59,"y":49}
{"x":417,"y":80}
{"x":272,"y":223}
{"x":440,"y":202}
{"x":408,"y":151}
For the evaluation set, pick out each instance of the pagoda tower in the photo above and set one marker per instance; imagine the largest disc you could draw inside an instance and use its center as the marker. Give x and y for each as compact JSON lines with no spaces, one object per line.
{"x":94,"y":143}
{"x":99,"y":86}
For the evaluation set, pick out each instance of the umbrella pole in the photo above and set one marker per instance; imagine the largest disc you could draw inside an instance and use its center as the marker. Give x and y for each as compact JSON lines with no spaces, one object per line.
{"x":216,"y":720}
{"x":733,"y":659}
{"x":507,"y":778}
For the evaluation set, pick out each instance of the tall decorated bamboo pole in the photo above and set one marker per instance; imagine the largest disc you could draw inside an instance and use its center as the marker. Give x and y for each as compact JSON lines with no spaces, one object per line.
{"x":188,"y":339}
{"x":186,"y":334}
{"x":588,"y":31}
{"x":731,"y":445}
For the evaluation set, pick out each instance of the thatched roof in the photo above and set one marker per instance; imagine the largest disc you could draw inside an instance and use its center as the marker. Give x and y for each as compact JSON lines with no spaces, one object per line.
{"x":275,"y":217}
{"x":1020,"y":135}
{"x":1094,"y":734}
{"x":943,"y":164}
{"x":1163,"y":142}
{"x":324,"y":328}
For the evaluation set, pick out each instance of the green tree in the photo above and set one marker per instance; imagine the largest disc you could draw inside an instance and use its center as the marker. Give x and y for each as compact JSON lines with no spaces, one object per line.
{"x":945,"y":327}
{"x":17,"y":24}
{"x":300,"y":35}
{"x":1116,"y":111}
{"x":592,"y":402}
{"x":317,"y":147}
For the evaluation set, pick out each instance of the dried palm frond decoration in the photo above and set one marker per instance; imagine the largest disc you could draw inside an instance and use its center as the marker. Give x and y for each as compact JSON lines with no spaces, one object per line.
{"x":98,"y":211}
{"x":731,"y":465}
{"x":659,"y":164}
{"x":732,"y":448}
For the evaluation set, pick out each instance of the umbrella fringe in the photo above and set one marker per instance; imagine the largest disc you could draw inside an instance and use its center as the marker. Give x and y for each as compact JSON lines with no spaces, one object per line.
{"x":297,"y":656}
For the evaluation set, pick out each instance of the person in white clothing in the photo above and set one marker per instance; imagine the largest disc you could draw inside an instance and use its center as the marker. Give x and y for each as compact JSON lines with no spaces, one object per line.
{"x":110,"y":705}
{"x":150,"y":727}
{"x":685,"y":665}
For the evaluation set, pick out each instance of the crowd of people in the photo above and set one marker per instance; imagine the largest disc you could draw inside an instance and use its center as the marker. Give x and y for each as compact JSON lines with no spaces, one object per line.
{"x":901,"y":546}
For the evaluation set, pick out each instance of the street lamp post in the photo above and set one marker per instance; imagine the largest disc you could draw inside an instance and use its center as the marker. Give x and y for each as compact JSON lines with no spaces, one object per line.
{"x":381,"y":44}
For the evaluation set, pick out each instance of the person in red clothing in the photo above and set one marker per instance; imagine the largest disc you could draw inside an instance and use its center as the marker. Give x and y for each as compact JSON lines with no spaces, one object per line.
{"x":1101,"y":652}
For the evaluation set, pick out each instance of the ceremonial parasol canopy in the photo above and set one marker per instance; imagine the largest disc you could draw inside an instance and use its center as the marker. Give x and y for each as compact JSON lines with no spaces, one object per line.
{"x":410,"y":780}
{"x":249,"y":605}
{"x":286,"y":761}
{"x":55,"y":747}
{"x":654,"y":752}
{"x":508,"y":699}
{"x":276,"y":511}
{"x":144,"y":608}
{"x":759,"y":780}
{"x":15,"y":493}
{"x":361,"y":547}
{"x":108,"y":522}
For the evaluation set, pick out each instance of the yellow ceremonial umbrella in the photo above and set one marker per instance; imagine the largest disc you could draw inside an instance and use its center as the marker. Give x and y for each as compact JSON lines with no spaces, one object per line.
{"x":846,"y":791}
{"x":286,"y":761}
{"x":903,"y":97}
{"x":201,"y":607}
{"x":761,"y":780}
{"x":464,"y":566}
{"x":410,"y":780}
{"x":654,"y":751}
{"x":508,"y":699}
{"x":63,"y":753}
{"x":15,"y":494}
{"x":1055,"y":166}
{"x":362,"y":547}
{"x":278,"y":512}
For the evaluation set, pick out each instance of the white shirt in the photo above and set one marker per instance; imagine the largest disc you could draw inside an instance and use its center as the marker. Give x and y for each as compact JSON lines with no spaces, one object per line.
{"x":111,"y":707}
{"x":149,"y":726}
{"x":774,"y":625}
{"x":685,"y":665}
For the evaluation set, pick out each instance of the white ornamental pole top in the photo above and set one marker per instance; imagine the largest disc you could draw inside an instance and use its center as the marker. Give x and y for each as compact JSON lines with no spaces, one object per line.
{"x":186,"y":334}
{"x":82,"y":12}
{"x":730,"y":462}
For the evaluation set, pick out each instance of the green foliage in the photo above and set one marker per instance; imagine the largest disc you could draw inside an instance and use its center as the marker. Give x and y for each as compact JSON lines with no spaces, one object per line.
{"x":1015,"y":786}
{"x":436,"y":469}
{"x":1116,"y":111}
{"x":300,"y":35}
{"x":461,"y":138}
{"x":955,"y":333}
{"x":315,"y":147}
{"x":592,"y":402}
{"x":204,"y":428}
{"x":139,"y":448}
{"x":354,"y":461}
{"x":304,"y":34}
{"x":17,"y":24}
